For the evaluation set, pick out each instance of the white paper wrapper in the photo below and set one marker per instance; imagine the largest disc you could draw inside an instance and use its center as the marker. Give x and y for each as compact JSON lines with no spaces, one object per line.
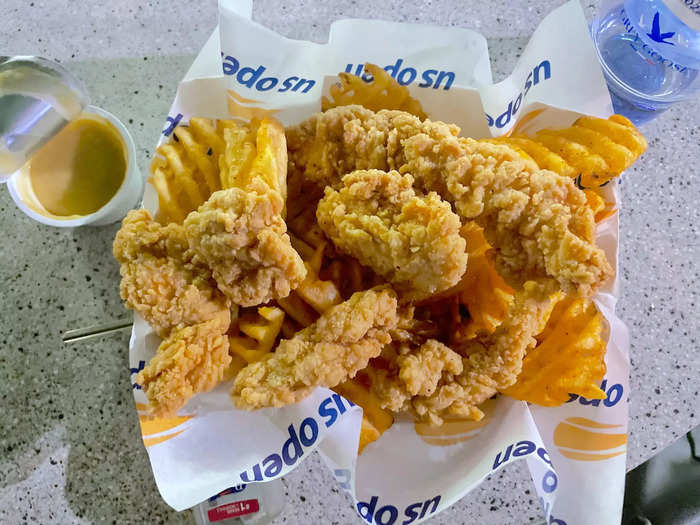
{"x":576,"y":452}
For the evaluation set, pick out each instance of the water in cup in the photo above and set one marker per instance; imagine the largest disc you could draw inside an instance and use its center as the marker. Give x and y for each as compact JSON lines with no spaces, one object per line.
{"x":650,"y":53}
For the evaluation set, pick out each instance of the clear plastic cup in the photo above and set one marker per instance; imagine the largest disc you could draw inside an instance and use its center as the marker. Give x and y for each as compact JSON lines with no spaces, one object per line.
{"x":38,"y":97}
{"x":649,"y":51}
{"x":127,"y":197}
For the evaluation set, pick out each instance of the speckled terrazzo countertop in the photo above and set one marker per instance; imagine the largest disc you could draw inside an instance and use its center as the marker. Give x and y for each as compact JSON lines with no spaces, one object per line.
{"x":70,"y":449}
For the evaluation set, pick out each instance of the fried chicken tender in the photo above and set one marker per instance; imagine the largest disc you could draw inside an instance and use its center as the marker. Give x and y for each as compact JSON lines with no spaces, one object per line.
{"x":160,"y":279}
{"x":537,"y":220}
{"x":191,"y":360}
{"x":246,"y":245}
{"x":413,"y":372}
{"x":412,"y":241}
{"x":239,"y":232}
{"x":493,"y":362}
{"x":326,"y":353}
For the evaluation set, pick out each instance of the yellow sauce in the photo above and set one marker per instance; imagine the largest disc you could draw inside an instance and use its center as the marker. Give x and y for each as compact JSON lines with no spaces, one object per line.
{"x":81,"y":168}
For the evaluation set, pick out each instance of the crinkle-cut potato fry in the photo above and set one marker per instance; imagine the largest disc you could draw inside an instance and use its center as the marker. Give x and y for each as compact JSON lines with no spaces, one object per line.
{"x":239,"y":153}
{"x":543,"y":157}
{"x":304,"y":249}
{"x":595,"y":202}
{"x":350,"y":276}
{"x":259,"y":331}
{"x":590,"y":166}
{"x":303,"y":306}
{"x":375,"y":419}
{"x":513,"y":144}
{"x":179,"y":172}
{"x":569,"y":357}
{"x":602,"y":209}
{"x":185,"y":171}
{"x":368,"y":434}
{"x":592,"y":150}
{"x":617,"y":157}
{"x":618,"y":129}
{"x":382,"y":92}
{"x":168,"y":205}
{"x":485,"y":294}
{"x":270,"y":163}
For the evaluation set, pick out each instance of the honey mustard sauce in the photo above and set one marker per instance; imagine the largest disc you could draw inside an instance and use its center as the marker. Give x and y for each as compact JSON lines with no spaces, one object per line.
{"x":80,"y":169}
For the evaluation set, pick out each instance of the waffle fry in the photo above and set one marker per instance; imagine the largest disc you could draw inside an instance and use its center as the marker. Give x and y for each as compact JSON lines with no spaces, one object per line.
{"x":618,"y":129}
{"x":567,"y":359}
{"x":185,"y":171}
{"x":482,"y":292}
{"x":382,"y":92}
{"x":593,"y":150}
{"x":543,"y":157}
{"x":485,"y":294}
{"x":590,"y":166}
{"x":240,"y":153}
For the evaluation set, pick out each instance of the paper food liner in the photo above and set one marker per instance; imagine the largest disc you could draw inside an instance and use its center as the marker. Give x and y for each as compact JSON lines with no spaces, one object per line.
{"x":575,"y":452}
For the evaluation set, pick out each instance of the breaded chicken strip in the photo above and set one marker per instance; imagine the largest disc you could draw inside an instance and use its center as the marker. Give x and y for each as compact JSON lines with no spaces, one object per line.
{"x":191,"y":360}
{"x":412,"y":372}
{"x":160,"y":280}
{"x":537,"y":221}
{"x":245,"y":243}
{"x":326,"y":353}
{"x":494,"y":362}
{"x":239,"y":232}
{"x":412,"y":241}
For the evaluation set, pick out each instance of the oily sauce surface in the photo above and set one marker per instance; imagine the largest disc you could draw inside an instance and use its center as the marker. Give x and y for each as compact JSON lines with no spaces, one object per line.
{"x":81,"y":168}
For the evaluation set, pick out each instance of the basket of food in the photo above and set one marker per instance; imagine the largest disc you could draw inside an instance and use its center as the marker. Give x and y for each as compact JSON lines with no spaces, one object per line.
{"x":367,"y":249}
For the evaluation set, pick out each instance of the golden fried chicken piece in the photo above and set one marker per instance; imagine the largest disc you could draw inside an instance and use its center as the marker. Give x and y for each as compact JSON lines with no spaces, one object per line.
{"x":493,"y":362}
{"x":412,"y":241}
{"x":160,"y":279}
{"x":239,"y":232}
{"x":189,"y":361}
{"x":412,"y":372}
{"x":341,"y":140}
{"x":326,"y":353}
{"x":246,"y":245}
{"x":537,"y":220}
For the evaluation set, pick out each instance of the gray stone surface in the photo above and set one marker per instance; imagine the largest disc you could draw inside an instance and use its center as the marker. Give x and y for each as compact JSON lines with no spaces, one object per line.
{"x":70,"y":448}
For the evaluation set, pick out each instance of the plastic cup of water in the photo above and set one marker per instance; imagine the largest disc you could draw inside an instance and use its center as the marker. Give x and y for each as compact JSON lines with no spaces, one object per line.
{"x":650,"y":54}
